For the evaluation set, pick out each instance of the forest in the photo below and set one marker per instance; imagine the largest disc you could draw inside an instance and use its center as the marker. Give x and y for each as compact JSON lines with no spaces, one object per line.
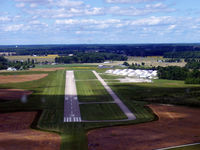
{"x":125,"y":49}
{"x":183,"y":54}
{"x":179,"y":73}
{"x":90,"y":58}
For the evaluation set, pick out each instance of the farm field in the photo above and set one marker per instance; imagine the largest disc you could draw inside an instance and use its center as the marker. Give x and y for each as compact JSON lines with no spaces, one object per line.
{"x":153,"y":61}
{"x":20,"y":78}
{"x":178,"y":122}
{"x":15,"y":133}
{"x":48,"y":98}
{"x":149,"y":62}
{"x":49,"y":58}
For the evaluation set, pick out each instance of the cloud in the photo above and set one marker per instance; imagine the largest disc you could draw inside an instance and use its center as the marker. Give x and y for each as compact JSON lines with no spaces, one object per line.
{"x":153,"y":21}
{"x":15,"y":27}
{"x":38,"y":23}
{"x":20,"y":5}
{"x":171,"y":27}
{"x":5,"y":19}
{"x":33,"y":5}
{"x":57,"y":3}
{"x":66,"y":12}
{"x":132,"y":11}
{"x":130,"y":1}
{"x":89,"y":24}
{"x":67,"y":3}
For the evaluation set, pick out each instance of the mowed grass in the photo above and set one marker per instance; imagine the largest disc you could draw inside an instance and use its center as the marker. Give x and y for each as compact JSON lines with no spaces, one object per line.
{"x":194,"y":147}
{"x":161,"y":91}
{"x":84,"y":75}
{"x":92,"y":91}
{"x":101,"y":112}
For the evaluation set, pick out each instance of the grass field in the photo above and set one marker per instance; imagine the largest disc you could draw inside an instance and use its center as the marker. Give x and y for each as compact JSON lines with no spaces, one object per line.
{"x":161,"y":91}
{"x":85,"y":66}
{"x":84,"y":75}
{"x":101,"y":112}
{"x":92,"y":91}
{"x":48,"y":96}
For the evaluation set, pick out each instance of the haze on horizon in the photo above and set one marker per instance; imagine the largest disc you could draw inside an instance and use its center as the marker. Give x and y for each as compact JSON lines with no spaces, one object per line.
{"x":99,"y":21}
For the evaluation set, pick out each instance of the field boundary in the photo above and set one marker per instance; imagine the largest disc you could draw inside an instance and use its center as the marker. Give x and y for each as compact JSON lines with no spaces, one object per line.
{"x":185,"y":145}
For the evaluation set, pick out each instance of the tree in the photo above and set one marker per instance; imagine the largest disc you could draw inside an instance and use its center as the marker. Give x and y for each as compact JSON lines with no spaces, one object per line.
{"x":126,"y":64}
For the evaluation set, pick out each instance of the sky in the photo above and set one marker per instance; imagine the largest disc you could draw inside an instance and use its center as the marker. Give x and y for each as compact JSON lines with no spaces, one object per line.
{"x":99,"y":21}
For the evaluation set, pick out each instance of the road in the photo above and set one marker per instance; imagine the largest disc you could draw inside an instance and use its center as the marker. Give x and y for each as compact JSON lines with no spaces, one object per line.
{"x":123,"y":107}
{"x":71,"y":104}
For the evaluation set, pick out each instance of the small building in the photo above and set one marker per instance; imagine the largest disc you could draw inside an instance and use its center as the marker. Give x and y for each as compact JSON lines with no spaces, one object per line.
{"x":11,"y":69}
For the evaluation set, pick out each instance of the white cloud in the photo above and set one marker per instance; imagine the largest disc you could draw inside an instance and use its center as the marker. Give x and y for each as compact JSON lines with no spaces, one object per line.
{"x":66,"y":12}
{"x":132,"y":11}
{"x":87,"y":21}
{"x":32,"y":5}
{"x":171,"y":27}
{"x":15,"y":27}
{"x":89,"y":24}
{"x":20,"y":5}
{"x":58,"y":3}
{"x":152,"y":21}
{"x":4,"y":19}
{"x":68,"y":3}
{"x":129,"y":1}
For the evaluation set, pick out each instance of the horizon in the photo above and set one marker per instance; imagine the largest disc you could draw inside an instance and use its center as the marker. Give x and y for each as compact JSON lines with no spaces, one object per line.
{"x":39,"y":22}
{"x":103,"y":44}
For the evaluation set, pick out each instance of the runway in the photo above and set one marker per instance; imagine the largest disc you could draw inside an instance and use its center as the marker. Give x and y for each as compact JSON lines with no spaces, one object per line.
{"x":116,"y":99}
{"x":71,"y":104}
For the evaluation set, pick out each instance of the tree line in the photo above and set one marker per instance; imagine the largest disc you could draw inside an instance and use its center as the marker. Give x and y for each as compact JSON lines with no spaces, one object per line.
{"x":125,"y":49}
{"x":19,"y":65}
{"x":90,"y":58}
{"x":179,"y":73}
{"x":183,"y":54}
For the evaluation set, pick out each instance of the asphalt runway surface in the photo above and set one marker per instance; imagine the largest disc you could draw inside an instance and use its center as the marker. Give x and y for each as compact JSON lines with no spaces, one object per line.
{"x":71,"y":104}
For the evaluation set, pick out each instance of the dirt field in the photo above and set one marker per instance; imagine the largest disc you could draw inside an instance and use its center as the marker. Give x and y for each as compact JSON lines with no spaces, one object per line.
{"x":176,"y":126}
{"x":13,"y":94}
{"x":20,"y":78}
{"x":47,"y":69}
{"x":15,"y":133}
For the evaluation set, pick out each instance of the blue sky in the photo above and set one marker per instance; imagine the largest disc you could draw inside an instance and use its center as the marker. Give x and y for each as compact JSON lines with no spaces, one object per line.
{"x":99,"y":21}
